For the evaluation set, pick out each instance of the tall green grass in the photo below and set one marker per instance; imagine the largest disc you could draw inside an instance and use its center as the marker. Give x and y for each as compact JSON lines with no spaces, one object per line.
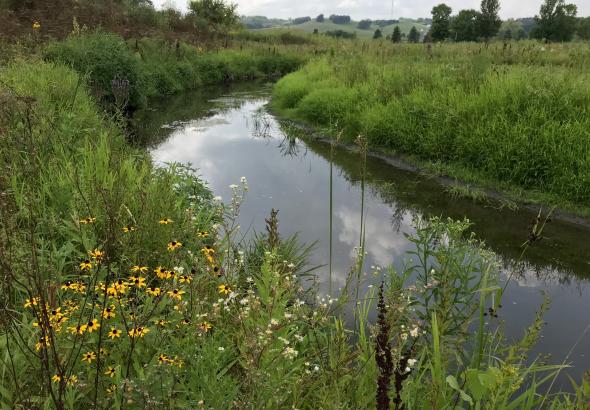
{"x":517,"y":116}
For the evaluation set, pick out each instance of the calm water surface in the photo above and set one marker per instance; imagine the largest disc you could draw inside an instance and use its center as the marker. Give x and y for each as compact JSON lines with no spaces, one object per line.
{"x":227,"y":134}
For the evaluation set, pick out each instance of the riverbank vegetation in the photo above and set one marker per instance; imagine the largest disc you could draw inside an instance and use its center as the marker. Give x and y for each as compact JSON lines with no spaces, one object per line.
{"x":511,"y":117}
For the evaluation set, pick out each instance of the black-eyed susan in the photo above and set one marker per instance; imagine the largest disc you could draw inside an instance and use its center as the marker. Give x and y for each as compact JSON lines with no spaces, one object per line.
{"x":163,"y":359}
{"x":73,"y":379}
{"x":96,"y":254}
{"x":114,"y":333}
{"x":178,"y":362}
{"x":208,"y":250}
{"x":185,"y":279}
{"x":166,"y":221}
{"x":174,"y":245}
{"x":204,"y":326}
{"x":128,"y":228}
{"x":32,"y":301}
{"x":103,"y":351}
{"x":170,"y":274}
{"x":86,"y":265}
{"x":36,"y":26}
{"x":185,"y":321}
{"x":153,"y":291}
{"x":176,"y":293}
{"x":224,"y":289}
{"x":203,"y":234}
{"x":77,"y":330}
{"x":92,"y":325}
{"x":109,"y":312}
{"x":88,"y":220}
{"x":217,"y":271}
{"x":160,"y":322}
{"x":88,"y":357}
{"x":160,"y":272}
{"x":139,"y":331}
{"x":111,"y":389}
{"x":110,"y":371}
{"x":56,"y":378}
{"x":138,"y":281}
{"x":138,"y":268}
{"x":43,"y":343}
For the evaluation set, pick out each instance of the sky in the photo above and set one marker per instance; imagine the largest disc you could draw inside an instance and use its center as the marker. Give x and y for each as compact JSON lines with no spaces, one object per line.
{"x":376,"y":9}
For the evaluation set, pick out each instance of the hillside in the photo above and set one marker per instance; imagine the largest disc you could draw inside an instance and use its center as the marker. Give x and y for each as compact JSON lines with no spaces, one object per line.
{"x":405,"y":26}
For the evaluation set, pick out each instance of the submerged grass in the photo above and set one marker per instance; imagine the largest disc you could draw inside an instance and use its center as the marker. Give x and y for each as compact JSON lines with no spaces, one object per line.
{"x":516,"y":116}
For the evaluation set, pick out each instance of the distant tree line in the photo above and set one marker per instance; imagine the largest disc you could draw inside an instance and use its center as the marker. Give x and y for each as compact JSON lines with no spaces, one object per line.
{"x":301,"y":20}
{"x":556,"y":21}
{"x":337,"y":19}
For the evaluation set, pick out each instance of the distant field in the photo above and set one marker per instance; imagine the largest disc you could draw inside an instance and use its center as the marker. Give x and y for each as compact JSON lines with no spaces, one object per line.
{"x":310,"y":26}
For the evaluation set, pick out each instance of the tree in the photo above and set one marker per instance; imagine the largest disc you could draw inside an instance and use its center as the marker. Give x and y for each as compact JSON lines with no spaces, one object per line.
{"x":320,"y":18}
{"x":301,"y":20}
{"x":413,"y":36}
{"x":364,"y":24}
{"x":465,"y":26}
{"x":396,"y":36}
{"x":521,"y":34}
{"x":336,"y":19}
{"x":441,"y":22}
{"x":215,"y":15}
{"x":377,"y":34}
{"x":489,"y":21}
{"x":507,"y":35}
{"x":556,"y":21}
{"x":584,"y":28}
{"x":316,"y":31}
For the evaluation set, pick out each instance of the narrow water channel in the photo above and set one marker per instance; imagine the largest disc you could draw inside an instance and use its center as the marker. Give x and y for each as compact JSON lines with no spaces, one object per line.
{"x":227,"y":133}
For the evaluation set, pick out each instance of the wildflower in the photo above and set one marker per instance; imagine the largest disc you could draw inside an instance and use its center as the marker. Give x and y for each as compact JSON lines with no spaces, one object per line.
{"x":88,"y":357}
{"x":56,"y":378}
{"x":138,"y":281}
{"x":108,"y":312}
{"x":208,"y":250}
{"x":36,"y":25}
{"x":217,"y":271}
{"x":77,"y":330}
{"x":128,"y":228}
{"x":205,"y":326}
{"x":203,"y":234}
{"x":73,"y":379}
{"x":185,"y":321}
{"x":114,"y":333}
{"x":415,"y":331}
{"x":412,"y":362}
{"x":172,"y":246}
{"x":160,"y":322}
{"x":86,"y":265}
{"x":88,"y":220}
{"x":32,"y":302}
{"x":185,"y":279}
{"x":290,"y":353}
{"x":103,"y":351}
{"x":162,"y":359}
{"x":224,"y":289}
{"x":110,"y":371}
{"x":139,"y":331}
{"x":43,"y":343}
{"x":177,"y":362}
{"x":92,"y":325}
{"x":97,"y":254}
{"x":221,"y":349}
{"x":137,"y":268}
{"x":166,"y":221}
{"x":176,"y":293}
{"x":111,"y":389}
{"x":153,"y":291}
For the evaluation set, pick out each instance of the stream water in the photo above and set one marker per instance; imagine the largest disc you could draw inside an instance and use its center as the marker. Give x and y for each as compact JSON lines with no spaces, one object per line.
{"x":226,"y":133}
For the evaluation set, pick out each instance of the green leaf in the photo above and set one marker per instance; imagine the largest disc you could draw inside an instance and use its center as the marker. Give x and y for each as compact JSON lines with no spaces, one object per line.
{"x":452,"y":381}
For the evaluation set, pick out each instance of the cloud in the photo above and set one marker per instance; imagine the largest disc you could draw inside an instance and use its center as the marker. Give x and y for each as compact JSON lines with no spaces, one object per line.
{"x":377,"y":9}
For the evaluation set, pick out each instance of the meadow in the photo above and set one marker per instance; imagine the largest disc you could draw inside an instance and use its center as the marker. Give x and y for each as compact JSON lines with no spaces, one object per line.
{"x":511,"y":117}
{"x":125,"y":285}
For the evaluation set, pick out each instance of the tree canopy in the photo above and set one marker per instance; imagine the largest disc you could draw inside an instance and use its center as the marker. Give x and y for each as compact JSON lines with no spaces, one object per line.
{"x":556,"y":21}
{"x":441,"y":22}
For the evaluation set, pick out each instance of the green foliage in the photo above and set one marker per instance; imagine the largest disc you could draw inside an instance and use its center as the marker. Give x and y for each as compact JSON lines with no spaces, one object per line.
{"x":584,"y":28}
{"x":377,"y":34}
{"x":396,"y":37}
{"x":488,"y":20}
{"x":520,"y":124}
{"x":441,"y":22}
{"x":216,"y":16}
{"x":413,"y":36}
{"x":364,"y":24}
{"x":556,"y":21}
{"x":465,"y":26}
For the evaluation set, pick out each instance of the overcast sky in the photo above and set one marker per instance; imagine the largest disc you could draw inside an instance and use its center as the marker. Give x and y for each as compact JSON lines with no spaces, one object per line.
{"x":376,"y":9}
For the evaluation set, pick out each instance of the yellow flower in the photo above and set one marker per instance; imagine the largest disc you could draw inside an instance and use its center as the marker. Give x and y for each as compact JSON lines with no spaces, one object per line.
{"x":87,"y":220}
{"x":118,"y":288}
{"x":56,"y":378}
{"x":77,"y":330}
{"x":114,"y":333}
{"x":92,"y":325}
{"x":110,"y":371}
{"x":43,"y":343}
{"x":32,"y":302}
{"x":166,"y":221}
{"x":177,"y":362}
{"x":108,"y":312}
{"x":172,"y":246}
{"x":224,"y":289}
{"x":97,"y":254}
{"x":36,"y":25}
{"x":111,"y":389}
{"x":153,"y":291}
{"x":139,"y":331}
{"x":203,"y":234}
{"x":160,"y":322}
{"x":185,"y":321}
{"x":88,"y":357}
{"x":162,"y":359}
{"x":86,"y":265}
{"x":137,"y":281}
{"x":176,"y":293}
{"x":128,"y":228}
{"x":73,"y":379}
{"x":208,"y":250}
{"x":205,"y":326}
{"x":185,"y":279}
{"x":137,"y":268}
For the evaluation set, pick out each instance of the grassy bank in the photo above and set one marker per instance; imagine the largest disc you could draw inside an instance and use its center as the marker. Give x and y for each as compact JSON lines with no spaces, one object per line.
{"x":514,"y":118}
